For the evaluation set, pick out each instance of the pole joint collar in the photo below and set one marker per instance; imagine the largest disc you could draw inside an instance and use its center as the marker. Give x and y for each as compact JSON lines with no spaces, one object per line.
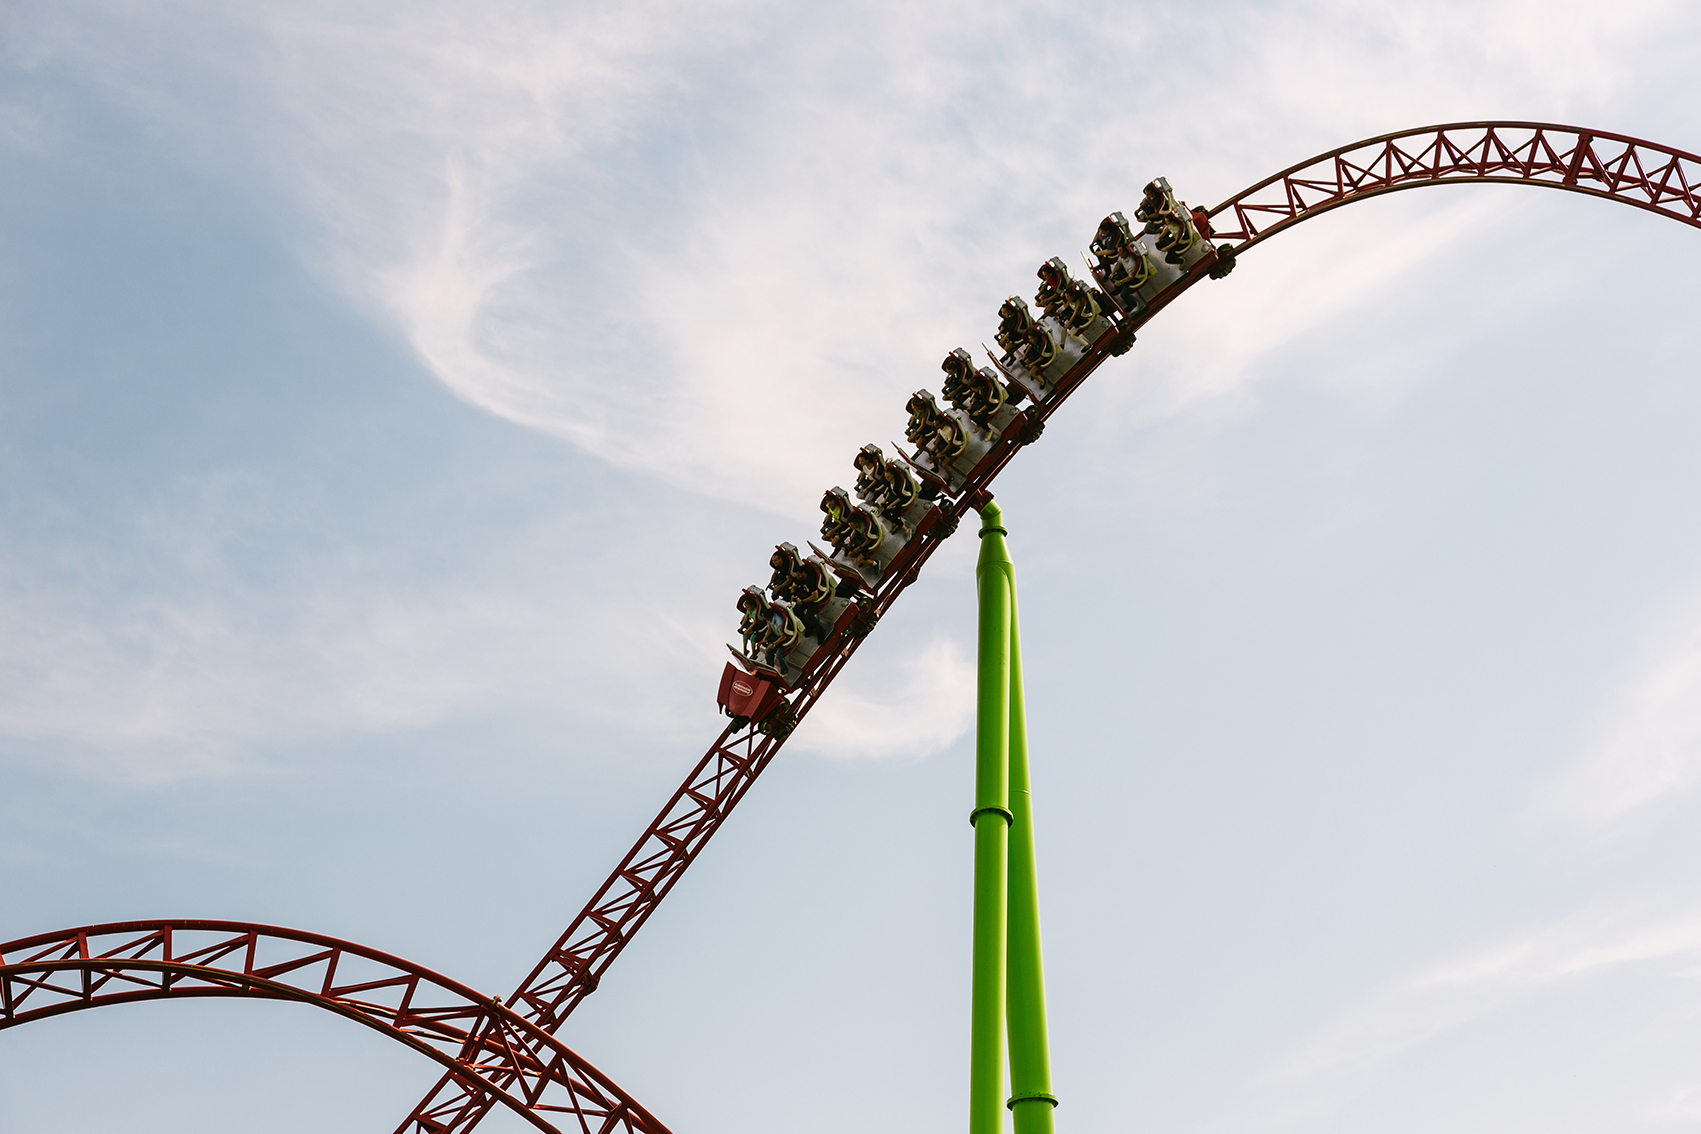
{"x":984,"y":532}
{"x":1009,"y":819}
{"x":1052,"y":1099}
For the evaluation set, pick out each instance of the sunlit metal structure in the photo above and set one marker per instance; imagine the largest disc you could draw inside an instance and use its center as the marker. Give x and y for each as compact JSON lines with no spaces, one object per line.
{"x":477,"y":1039}
{"x":879,"y":545}
{"x":1007,"y":1010}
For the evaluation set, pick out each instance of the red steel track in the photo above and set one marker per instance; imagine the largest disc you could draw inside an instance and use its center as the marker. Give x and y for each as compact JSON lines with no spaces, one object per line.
{"x":494,"y":1054}
{"x":1605,"y":165}
{"x":1618,"y":168}
{"x":505,"y":1053}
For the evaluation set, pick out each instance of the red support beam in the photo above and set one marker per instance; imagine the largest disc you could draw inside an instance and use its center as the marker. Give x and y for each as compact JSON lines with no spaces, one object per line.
{"x":1613,"y":166}
{"x":1523,"y":153}
{"x":494,"y":1054}
{"x":506,"y":1053}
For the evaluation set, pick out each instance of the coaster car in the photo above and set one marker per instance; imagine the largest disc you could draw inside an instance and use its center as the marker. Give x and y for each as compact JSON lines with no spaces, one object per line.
{"x":748,"y":697}
{"x":809,"y":613}
{"x":1177,"y":235}
{"x":1123,"y":270}
{"x":775,"y":640}
{"x":988,"y":403}
{"x":1029,"y":347}
{"x":892,"y":490}
{"x":861,"y":541}
{"x":947,"y":443}
{"x":1069,"y":303}
{"x":811,"y":588}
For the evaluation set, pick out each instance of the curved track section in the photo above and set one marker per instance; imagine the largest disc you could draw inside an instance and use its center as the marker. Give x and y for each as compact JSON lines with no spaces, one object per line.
{"x":1613,"y":166}
{"x":493,"y":1054}
{"x":1618,"y":168}
{"x":506,"y":1053}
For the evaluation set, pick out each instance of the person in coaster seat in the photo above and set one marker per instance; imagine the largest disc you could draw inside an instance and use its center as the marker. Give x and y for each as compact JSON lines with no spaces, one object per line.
{"x":785,"y":561}
{"x":1065,"y":298}
{"x":899,"y":491}
{"x":1014,"y":323}
{"x":1039,"y":349}
{"x":932,"y":431}
{"x":783,"y":631}
{"x":813,"y":585}
{"x":1080,"y":305}
{"x":1177,"y":237}
{"x":1122,"y":260}
{"x":1169,"y":220}
{"x":852,"y":531}
{"x":870,"y":465}
{"x":1154,"y":202}
{"x":752,"y":621}
{"x":1130,"y":273}
{"x":1052,"y":277}
{"x":1112,"y":239}
{"x":978,"y":393}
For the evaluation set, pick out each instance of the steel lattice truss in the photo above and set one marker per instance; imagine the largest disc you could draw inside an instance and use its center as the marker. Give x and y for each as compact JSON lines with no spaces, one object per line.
{"x":505,"y":1052}
{"x":1640,"y":173}
{"x":496,"y":1055}
{"x":1619,"y":168}
{"x":573,"y":967}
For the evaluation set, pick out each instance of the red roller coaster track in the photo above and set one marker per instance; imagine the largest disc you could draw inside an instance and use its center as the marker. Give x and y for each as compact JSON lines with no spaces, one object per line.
{"x":1594,"y":162}
{"x":1640,"y":173}
{"x":506,"y":1053}
{"x":495,"y":1055}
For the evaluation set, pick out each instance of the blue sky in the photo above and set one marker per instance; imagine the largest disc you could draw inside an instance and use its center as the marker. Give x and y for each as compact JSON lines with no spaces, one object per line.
{"x":393,"y":400}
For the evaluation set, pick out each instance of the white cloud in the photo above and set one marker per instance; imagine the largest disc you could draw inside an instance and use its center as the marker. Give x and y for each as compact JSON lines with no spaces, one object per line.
{"x":916,"y":707}
{"x":721,"y":243}
{"x":1348,"y":1056}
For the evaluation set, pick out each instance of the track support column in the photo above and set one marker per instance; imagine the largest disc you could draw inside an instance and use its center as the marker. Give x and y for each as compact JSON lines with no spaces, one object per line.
{"x":991,"y":819}
{"x":1031,"y":1100}
{"x":1009,"y":980}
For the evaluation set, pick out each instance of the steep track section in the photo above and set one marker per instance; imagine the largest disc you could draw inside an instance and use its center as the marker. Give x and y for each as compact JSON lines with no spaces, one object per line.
{"x":505,"y":1053}
{"x":1600,"y":164}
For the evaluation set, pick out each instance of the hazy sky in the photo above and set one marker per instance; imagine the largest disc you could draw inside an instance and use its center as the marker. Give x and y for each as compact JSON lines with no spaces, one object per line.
{"x":394,"y":399}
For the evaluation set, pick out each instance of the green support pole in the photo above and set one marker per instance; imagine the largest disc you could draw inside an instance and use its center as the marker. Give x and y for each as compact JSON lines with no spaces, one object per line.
{"x":991,"y":819}
{"x":1031,"y":1100}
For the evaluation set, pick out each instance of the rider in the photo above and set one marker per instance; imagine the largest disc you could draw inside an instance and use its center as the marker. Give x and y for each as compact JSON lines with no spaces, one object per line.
{"x":902,"y":491}
{"x":1053,"y":277}
{"x":870,"y":473}
{"x":976,"y":392}
{"x":1039,"y":350}
{"x":937,"y":434}
{"x":753,"y":620}
{"x":813,"y":586}
{"x":1014,"y":322}
{"x":785,"y":562}
{"x":853,"y":531}
{"x":784,"y":631}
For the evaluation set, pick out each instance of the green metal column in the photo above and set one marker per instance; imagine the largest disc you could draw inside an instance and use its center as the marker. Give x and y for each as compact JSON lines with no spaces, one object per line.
{"x":991,"y":819}
{"x":1031,"y":1100}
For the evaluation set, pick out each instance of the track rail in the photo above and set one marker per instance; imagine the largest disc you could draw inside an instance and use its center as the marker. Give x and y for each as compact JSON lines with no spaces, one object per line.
{"x":497,"y":1052}
{"x":1597,"y":163}
{"x":574,"y":965}
{"x":494,"y":1054}
{"x":1593,"y":162}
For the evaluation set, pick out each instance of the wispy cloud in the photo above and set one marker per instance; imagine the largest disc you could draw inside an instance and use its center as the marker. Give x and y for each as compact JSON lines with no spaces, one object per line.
{"x":720,"y":244}
{"x":916,"y":707}
{"x":1349,"y":1055}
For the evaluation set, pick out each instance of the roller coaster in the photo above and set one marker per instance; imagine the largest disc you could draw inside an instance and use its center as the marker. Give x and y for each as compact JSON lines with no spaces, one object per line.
{"x":801,"y":632}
